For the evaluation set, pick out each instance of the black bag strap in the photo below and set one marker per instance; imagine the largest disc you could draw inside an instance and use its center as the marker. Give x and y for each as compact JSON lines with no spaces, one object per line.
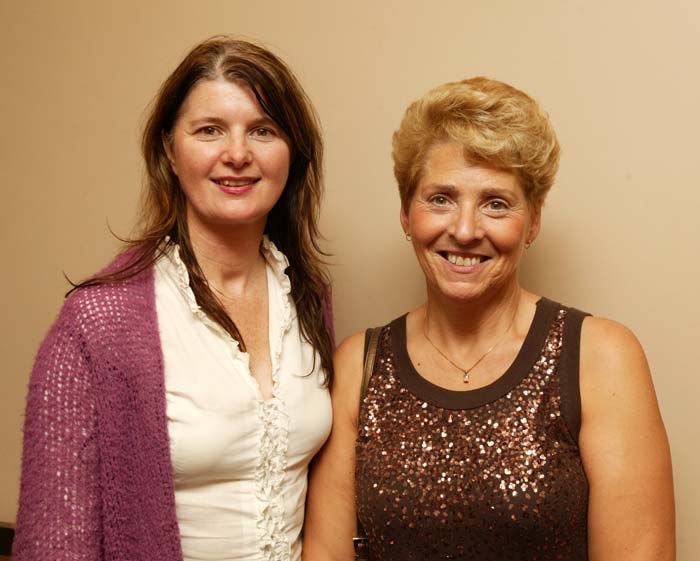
{"x":360,"y":541}
{"x":372,"y":336}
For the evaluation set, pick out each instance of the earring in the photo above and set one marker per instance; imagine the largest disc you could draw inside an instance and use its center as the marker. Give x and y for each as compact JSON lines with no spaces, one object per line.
{"x":527,"y":245}
{"x":408,"y":237}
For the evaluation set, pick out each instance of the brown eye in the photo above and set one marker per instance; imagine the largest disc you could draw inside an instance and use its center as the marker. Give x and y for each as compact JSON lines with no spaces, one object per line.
{"x":264,"y":133}
{"x":208,"y":131}
{"x":439,"y":200}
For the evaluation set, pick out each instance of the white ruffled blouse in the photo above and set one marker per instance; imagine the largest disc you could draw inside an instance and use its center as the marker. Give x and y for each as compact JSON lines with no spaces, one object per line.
{"x":240,"y":462}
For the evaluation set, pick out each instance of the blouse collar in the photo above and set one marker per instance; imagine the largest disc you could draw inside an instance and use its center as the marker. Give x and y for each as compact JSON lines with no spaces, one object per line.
{"x":275,"y":259}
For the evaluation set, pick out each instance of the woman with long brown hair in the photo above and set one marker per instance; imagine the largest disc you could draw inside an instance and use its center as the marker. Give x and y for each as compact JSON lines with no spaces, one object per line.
{"x":175,"y":404}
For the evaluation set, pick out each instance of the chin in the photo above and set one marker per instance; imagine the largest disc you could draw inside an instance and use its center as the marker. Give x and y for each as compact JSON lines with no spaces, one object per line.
{"x":241,"y":219}
{"x":470,"y":293}
{"x":460,"y":294}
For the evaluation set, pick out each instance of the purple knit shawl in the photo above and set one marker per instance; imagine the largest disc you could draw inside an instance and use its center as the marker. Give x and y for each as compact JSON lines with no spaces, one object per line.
{"x":97,"y":478}
{"x":97,"y":482}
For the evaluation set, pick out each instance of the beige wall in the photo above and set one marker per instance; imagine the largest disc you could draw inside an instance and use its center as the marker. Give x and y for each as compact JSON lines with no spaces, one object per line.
{"x":620,"y":232}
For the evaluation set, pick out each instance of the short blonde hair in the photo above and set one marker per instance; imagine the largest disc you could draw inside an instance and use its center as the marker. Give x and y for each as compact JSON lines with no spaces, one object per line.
{"x":498,"y":125}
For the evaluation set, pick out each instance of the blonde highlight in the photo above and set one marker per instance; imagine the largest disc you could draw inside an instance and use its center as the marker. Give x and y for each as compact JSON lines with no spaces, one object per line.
{"x":497,"y":124}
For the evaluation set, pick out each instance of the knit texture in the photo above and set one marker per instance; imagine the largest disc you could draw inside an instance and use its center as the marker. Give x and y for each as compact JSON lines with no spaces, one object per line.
{"x":96,"y":474}
{"x":97,"y":478}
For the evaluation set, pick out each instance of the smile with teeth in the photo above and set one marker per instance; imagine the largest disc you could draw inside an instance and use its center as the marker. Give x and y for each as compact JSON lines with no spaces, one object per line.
{"x":463,"y":260}
{"x":234,"y":183}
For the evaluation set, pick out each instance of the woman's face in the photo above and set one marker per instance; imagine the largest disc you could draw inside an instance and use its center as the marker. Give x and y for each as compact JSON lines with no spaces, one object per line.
{"x":469,"y":225}
{"x":231,"y":159}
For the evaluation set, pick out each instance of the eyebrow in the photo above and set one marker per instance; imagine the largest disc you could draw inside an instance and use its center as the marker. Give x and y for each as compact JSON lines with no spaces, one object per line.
{"x":448,"y":187}
{"x":497,"y":191}
{"x":488,"y":190}
{"x":262,"y":121}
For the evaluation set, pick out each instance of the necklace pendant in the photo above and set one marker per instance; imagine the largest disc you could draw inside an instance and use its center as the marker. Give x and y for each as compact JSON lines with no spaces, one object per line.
{"x":466,"y":377}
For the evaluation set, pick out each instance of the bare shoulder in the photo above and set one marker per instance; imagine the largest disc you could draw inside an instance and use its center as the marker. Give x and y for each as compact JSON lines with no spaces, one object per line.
{"x":608,"y":337}
{"x":347,"y":363}
{"x":609,"y":345}
{"x":350,"y":351}
{"x":613,"y":363}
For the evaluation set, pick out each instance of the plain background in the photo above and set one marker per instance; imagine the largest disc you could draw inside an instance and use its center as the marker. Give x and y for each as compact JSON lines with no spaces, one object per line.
{"x":620,"y":230}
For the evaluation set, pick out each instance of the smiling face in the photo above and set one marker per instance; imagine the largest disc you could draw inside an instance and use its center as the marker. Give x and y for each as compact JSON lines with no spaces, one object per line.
{"x":469,"y":225}
{"x":231,"y":159}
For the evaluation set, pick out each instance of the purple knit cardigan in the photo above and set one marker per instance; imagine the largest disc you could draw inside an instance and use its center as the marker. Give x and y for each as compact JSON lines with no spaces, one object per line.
{"x":97,"y":481}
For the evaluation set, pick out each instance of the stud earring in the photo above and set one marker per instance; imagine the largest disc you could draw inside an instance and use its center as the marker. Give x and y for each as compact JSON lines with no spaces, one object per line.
{"x":408,"y":237}
{"x":527,"y":245}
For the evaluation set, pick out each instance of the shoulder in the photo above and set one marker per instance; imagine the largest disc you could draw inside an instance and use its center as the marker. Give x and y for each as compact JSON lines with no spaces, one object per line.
{"x":348,"y":362}
{"x":105,"y":308}
{"x":350,"y":354}
{"x":96,"y":322}
{"x":138,"y":286}
{"x":350,"y":350}
{"x":607,"y":343}
{"x":614,"y":373}
{"x":110,"y":301}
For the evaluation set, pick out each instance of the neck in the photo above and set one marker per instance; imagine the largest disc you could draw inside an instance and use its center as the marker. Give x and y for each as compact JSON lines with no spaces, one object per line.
{"x":230,"y":259}
{"x":469,"y":323}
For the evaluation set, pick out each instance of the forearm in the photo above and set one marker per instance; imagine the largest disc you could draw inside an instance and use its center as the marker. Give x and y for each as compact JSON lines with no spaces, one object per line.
{"x":330,"y":517}
{"x":330,"y":523}
{"x":634,"y":526}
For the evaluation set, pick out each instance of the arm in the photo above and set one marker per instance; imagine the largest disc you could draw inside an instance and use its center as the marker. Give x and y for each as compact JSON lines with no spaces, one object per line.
{"x":58,"y":515}
{"x":330,"y":506}
{"x":624,"y":449}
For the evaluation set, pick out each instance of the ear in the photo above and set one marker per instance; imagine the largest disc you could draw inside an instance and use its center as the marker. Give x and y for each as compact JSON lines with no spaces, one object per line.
{"x":535,"y":222}
{"x":168,"y":147}
{"x":404,"y":220}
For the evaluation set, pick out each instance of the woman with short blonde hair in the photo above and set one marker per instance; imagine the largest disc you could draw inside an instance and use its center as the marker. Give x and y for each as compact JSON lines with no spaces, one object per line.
{"x":497,"y":425}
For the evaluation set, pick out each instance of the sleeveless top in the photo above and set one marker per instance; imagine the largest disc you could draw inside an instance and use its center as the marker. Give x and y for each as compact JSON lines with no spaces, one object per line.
{"x":492,"y":474}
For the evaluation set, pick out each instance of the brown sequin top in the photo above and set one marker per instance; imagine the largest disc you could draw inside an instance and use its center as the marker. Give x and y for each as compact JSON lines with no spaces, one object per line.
{"x":492,"y":474}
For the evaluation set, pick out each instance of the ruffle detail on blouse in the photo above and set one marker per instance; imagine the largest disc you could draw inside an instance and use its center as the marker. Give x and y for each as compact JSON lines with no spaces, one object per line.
{"x":274,"y":545}
{"x":270,"y":471}
{"x":278,"y":263}
{"x":183,"y":282}
{"x":275,"y":259}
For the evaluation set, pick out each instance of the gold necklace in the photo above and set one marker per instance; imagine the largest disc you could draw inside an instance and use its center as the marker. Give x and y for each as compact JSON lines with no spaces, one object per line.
{"x":466,"y":371}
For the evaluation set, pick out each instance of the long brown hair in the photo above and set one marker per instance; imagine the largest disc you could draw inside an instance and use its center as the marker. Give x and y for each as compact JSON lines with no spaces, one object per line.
{"x":292,"y":223}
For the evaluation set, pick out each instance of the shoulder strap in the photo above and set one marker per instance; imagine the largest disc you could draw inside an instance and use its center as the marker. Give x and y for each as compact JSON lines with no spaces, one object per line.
{"x":371,"y":344}
{"x":360,"y":541}
{"x":569,"y":371}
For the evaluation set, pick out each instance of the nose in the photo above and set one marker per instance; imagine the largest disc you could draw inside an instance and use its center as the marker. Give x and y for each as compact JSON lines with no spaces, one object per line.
{"x":236,"y":151}
{"x":466,"y":225}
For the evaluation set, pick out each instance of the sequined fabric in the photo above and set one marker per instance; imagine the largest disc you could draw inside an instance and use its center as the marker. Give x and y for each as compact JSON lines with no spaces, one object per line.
{"x":492,"y":474}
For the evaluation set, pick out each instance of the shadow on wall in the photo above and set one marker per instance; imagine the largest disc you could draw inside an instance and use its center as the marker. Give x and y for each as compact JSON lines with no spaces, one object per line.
{"x":402,"y":279}
{"x":549,"y":268}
